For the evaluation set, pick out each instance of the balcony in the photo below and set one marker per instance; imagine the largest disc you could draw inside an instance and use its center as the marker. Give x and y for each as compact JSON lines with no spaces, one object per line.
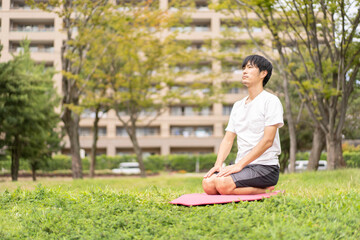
{"x":30,"y":25}
{"x":35,"y":47}
{"x":197,"y":26}
{"x":198,"y":5}
{"x":192,"y":131}
{"x":231,"y":67}
{"x":129,"y":5}
{"x":199,"y":46}
{"x":87,"y":113}
{"x":228,"y":26}
{"x":194,"y":68}
{"x":87,"y":131}
{"x":140,"y":131}
{"x":226,"y":110}
{"x":190,"y":111}
{"x":21,"y":5}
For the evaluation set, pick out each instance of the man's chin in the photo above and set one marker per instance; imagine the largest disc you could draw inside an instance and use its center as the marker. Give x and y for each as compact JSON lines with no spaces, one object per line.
{"x":245,"y":83}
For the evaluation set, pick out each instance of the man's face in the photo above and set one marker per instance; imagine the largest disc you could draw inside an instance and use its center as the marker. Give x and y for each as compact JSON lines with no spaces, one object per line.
{"x":252,"y":75}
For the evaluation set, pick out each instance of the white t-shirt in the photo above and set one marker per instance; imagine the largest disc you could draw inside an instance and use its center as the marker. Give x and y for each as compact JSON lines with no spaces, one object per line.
{"x":248,"y":121}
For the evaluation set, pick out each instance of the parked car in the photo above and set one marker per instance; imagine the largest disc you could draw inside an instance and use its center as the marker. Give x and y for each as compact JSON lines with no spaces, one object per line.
{"x":127,"y":168}
{"x":301,"y":165}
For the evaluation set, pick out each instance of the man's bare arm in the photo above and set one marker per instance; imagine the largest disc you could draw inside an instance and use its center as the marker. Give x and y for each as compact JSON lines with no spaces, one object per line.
{"x":224,"y":151}
{"x":265,"y":143}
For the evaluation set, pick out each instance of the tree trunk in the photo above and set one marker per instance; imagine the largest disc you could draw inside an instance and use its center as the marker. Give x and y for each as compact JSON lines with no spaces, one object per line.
{"x":139,"y":157}
{"x":33,"y":171}
{"x":71,"y":121}
{"x":318,"y":144}
{"x":334,"y":152}
{"x":94,"y":144}
{"x":137,"y":150}
{"x":15,"y":159}
{"x":291,"y":124}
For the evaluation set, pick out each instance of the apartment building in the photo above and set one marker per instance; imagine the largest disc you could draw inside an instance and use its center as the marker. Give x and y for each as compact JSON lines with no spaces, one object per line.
{"x":181,"y":129}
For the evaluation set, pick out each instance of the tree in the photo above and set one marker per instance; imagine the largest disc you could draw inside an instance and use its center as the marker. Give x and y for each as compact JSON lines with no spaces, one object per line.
{"x":27,"y":114}
{"x":240,"y":11}
{"x":352,"y":128}
{"x":143,"y":64}
{"x":79,"y":18}
{"x":322,"y":34}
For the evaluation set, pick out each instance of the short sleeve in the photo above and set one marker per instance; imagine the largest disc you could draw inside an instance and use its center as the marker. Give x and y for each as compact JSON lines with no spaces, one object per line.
{"x":274,"y":112}
{"x":231,"y":126}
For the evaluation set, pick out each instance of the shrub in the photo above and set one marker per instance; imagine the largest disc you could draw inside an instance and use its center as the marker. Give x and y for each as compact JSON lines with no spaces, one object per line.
{"x":155,"y":163}
{"x":182,"y":162}
{"x":58,"y":162}
{"x":352,"y":159}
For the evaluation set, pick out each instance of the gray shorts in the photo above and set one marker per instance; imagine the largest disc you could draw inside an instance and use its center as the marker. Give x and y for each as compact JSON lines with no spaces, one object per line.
{"x":256,"y":175}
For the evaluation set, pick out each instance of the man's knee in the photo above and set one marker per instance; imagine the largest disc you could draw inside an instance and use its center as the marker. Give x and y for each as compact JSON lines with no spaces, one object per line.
{"x":225,"y":185}
{"x":208,"y":185}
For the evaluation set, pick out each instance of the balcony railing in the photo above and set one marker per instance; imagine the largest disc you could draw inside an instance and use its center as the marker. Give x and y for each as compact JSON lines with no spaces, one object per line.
{"x":192,"y":131}
{"x":33,"y":49}
{"x":32,"y":28}
{"x":21,"y":4}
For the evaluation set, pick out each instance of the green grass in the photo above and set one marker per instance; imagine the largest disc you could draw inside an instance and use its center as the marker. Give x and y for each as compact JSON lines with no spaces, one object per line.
{"x":322,"y":205}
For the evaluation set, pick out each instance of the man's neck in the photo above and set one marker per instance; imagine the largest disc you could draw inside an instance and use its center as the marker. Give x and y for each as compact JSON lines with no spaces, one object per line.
{"x":254,"y":91}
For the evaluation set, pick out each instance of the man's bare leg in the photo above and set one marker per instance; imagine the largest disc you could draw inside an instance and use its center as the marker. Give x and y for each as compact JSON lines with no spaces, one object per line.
{"x":209,"y":186}
{"x":226,"y":186}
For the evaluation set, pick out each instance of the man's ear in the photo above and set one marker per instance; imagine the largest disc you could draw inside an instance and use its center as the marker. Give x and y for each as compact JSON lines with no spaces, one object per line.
{"x":263,"y":73}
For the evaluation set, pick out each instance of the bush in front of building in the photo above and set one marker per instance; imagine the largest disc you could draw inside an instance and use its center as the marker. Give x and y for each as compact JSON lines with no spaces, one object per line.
{"x":186,"y":162}
{"x":155,"y":163}
{"x":352,"y":159}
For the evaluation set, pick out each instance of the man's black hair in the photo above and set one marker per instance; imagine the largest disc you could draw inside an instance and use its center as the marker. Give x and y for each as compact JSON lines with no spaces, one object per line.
{"x":262,"y":63}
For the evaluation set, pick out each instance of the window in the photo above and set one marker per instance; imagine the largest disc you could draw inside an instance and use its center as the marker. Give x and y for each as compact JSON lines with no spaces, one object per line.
{"x":140,"y":131}
{"x":194,"y":68}
{"x":190,"y":111}
{"x":197,"y":46}
{"x":202,"y":5}
{"x":21,"y":4}
{"x":231,"y":26}
{"x":102,"y":132}
{"x":24,"y":25}
{"x":198,"y":25}
{"x":192,"y":131}
{"x":231,"y":67}
{"x":226,"y":110}
{"x":34,"y":47}
{"x":87,"y":113}
{"x":201,"y":27}
{"x":85,"y":131}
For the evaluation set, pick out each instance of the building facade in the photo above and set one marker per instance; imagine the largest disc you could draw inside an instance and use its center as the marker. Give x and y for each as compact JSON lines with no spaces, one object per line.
{"x":181,"y":129}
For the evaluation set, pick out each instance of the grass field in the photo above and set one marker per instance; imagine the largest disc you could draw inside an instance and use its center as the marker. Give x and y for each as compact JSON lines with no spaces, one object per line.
{"x":322,"y":205}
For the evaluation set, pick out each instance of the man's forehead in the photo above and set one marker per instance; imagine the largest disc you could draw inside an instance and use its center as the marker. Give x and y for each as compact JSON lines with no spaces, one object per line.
{"x":249,"y":63}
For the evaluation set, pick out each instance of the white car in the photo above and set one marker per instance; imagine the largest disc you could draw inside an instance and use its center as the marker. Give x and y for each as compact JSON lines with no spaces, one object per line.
{"x":127,"y":168}
{"x":301,"y":165}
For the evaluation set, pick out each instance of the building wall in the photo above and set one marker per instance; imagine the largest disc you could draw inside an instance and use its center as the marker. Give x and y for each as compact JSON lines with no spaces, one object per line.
{"x":18,"y":23}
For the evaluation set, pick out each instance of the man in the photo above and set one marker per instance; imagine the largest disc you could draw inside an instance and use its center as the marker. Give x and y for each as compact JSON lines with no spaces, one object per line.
{"x":255,"y":121}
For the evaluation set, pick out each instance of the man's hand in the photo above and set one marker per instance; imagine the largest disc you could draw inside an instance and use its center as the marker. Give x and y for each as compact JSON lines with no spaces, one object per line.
{"x":226,"y":171}
{"x":212,"y":170}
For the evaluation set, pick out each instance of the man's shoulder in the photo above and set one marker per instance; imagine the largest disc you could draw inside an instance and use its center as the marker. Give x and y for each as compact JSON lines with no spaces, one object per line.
{"x":270,"y":96}
{"x":238,"y":102}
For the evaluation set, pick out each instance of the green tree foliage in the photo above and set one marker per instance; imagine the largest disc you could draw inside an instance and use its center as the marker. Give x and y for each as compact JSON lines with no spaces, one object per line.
{"x":145,"y":65}
{"x":323,"y":35}
{"x":27,"y":111}
{"x":352,"y":126}
{"x":80,"y":17}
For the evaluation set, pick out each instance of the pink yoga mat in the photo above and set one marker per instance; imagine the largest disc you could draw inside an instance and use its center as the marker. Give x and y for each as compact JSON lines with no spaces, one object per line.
{"x":196,"y":199}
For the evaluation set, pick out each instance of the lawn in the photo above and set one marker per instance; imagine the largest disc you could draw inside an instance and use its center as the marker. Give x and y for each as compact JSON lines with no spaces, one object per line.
{"x":322,"y":205}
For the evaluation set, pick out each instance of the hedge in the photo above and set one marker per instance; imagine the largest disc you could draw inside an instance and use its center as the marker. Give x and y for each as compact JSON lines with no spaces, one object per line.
{"x":352,"y":159}
{"x":156,"y":163}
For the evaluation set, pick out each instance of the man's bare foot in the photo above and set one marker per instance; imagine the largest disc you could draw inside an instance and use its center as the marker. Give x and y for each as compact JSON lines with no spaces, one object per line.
{"x":270,"y":189}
